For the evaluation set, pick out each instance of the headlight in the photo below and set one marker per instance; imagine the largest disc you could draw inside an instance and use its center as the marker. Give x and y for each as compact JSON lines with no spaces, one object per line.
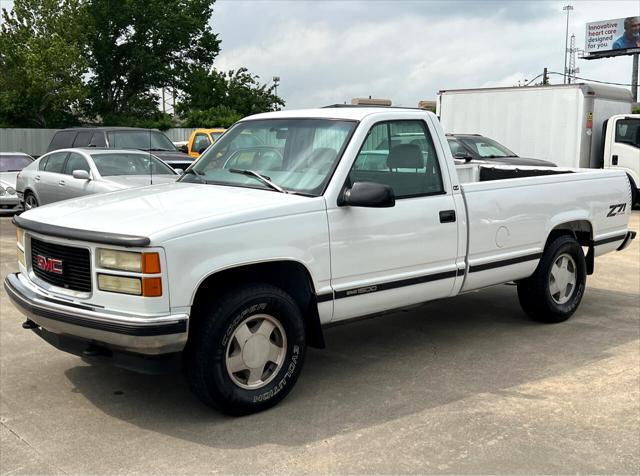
{"x":21,"y":258}
{"x":119,"y":284}
{"x":121,"y":260}
{"x":1,"y":191}
{"x":148,"y":263}
{"x":20,"y":237}
{"x":11,"y":190}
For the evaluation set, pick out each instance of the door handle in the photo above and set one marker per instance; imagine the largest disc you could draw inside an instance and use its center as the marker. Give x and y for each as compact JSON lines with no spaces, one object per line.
{"x":37,"y":178}
{"x":447,"y":216}
{"x":61,"y":182}
{"x":614,"y":159}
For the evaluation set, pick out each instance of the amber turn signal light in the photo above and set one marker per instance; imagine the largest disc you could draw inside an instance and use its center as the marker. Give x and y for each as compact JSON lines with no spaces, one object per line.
{"x":151,"y":287}
{"x":150,"y":263}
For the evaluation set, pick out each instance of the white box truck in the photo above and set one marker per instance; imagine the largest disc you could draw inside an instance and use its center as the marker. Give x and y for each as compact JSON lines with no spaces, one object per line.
{"x":573,"y":125}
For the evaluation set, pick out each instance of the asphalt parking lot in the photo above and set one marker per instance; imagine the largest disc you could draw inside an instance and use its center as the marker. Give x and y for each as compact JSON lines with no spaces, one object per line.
{"x":464,"y":385}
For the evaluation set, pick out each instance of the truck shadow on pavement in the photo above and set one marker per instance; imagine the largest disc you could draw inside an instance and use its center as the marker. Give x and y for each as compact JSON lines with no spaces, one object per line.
{"x":382,"y":369}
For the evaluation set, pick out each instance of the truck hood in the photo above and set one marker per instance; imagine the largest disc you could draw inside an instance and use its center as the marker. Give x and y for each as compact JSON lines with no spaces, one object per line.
{"x":521,"y":161}
{"x":163,"y":212}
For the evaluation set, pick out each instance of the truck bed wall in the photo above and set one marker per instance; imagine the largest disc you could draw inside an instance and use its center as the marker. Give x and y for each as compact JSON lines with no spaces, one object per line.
{"x":511,"y":219}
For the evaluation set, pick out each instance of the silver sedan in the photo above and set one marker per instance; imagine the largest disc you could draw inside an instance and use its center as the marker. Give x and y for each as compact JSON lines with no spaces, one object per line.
{"x":70,"y":173}
{"x":10,"y":164}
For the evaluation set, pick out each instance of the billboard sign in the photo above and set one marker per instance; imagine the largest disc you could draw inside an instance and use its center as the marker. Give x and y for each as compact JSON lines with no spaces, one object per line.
{"x":620,"y":36}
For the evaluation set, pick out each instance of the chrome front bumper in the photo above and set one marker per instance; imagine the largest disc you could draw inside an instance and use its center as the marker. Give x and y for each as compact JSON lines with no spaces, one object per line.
{"x":150,"y":335}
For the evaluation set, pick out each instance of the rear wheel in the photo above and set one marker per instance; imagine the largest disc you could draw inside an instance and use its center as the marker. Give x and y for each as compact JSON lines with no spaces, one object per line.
{"x":30,"y":201}
{"x":246,"y":350}
{"x":556,"y":288}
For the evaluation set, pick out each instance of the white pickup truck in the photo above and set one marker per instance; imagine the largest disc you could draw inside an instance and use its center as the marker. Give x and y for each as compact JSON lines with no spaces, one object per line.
{"x":294,"y":220}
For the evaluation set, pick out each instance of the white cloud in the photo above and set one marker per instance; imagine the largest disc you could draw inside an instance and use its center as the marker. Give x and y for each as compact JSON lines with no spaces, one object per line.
{"x":327,"y":52}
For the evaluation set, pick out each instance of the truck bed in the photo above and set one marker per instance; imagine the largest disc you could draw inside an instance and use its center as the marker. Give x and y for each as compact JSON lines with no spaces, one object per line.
{"x":511,"y":211}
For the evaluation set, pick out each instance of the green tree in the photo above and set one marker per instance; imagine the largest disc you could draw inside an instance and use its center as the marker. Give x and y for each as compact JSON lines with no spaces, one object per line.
{"x":42,"y":64}
{"x":137,"y":47}
{"x":216,"y":96}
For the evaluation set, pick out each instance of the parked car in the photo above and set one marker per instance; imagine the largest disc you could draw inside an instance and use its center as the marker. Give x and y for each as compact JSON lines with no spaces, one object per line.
{"x":232,"y":272}
{"x":475,"y":147}
{"x":150,"y":140}
{"x":10,"y":164}
{"x":199,"y":140}
{"x":69,"y":173}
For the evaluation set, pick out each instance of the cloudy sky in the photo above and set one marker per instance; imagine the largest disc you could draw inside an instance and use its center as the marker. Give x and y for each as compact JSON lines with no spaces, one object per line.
{"x":330,"y":51}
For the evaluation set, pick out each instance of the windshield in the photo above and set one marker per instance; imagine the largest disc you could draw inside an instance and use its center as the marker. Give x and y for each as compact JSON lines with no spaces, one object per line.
{"x":486,"y":148}
{"x":14,"y":163}
{"x":297,"y":155}
{"x":145,"y":140}
{"x":120,"y":163}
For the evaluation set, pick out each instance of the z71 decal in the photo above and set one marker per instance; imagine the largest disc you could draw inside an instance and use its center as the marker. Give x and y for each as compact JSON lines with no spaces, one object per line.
{"x":617,"y":209}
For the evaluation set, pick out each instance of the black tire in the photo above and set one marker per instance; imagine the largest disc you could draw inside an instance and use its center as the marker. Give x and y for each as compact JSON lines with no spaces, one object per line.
{"x":213,"y":338}
{"x":30,"y":201}
{"x":534,"y":292}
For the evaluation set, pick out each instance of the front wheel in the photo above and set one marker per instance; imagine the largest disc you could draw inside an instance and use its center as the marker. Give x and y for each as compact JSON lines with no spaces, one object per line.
{"x":554,"y":291}
{"x":246,"y":350}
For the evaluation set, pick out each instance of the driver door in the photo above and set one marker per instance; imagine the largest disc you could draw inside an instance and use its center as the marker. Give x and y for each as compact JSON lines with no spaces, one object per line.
{"x":387,"y":258}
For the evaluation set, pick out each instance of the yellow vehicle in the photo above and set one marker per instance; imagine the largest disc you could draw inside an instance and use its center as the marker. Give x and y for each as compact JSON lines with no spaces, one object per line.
{"x":200,"y":139}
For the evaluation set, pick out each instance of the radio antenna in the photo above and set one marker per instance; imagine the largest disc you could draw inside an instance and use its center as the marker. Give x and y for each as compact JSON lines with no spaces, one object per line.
{"x":150,"y":162}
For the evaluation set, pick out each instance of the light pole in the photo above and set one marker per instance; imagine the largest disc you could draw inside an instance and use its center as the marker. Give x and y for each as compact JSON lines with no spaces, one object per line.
{"x":566,"y":8}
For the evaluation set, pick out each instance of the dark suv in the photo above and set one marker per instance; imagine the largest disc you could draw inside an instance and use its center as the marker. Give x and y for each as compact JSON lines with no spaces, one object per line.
{"x":151,"y":140}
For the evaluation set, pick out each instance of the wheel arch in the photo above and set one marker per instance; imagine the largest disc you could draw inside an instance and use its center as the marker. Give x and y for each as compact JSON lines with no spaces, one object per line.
{"x":290,"y":276}
{"x":582,"y":231}
{"x":32,"y":191}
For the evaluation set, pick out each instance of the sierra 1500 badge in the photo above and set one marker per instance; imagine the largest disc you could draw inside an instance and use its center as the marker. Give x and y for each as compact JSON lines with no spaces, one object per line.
{"x":50,"y":265}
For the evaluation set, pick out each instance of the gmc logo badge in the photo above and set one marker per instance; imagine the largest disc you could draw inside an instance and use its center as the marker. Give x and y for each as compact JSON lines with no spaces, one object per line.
{"x":50,"y":265}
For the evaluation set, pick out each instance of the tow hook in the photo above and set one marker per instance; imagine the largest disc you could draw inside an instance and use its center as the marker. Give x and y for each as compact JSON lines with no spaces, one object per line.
{"x":29,"y":324}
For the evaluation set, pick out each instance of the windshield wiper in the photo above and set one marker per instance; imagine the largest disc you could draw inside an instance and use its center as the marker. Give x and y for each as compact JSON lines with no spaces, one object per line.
{"x":165,"y":150}
{"x":263,"y":178}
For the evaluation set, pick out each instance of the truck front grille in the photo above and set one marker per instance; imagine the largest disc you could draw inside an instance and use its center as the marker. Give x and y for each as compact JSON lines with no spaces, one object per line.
{"x":67,"y":267}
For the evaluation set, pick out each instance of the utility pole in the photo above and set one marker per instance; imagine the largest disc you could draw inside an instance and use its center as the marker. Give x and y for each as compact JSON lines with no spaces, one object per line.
{"x":571,"y":70}
{"x":634,"y":78}
{"x":566,"y":8}
{"x":545,"y":77}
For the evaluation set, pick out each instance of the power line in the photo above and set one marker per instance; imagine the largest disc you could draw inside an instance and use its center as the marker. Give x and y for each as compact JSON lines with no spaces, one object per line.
{"x":582,"y":79}
{"x":594,"y":80}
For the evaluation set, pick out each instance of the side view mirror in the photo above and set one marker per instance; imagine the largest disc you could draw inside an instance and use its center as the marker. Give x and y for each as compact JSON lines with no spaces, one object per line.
{"x":81,"y":175}
{"x":202,"y":149}
{"x":184,"y":149}
{"x":179,"y":171}
{"x":368,"y":194}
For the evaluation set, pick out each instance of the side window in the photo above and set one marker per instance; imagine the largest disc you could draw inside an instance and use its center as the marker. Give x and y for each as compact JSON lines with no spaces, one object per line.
{"x":628,"y":132}
{"x":43,"y":163}
{"x":76,"y":162}
{"x":62,"y":140}
{"x":55,"y":162}
{"x":409,"y":166}
{"x":97,"y":140}
{"x":200,"y":141}
{"x":82,"y":139}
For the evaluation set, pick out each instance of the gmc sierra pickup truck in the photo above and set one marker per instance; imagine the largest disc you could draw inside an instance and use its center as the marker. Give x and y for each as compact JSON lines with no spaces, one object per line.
{"x":294,"y":220}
